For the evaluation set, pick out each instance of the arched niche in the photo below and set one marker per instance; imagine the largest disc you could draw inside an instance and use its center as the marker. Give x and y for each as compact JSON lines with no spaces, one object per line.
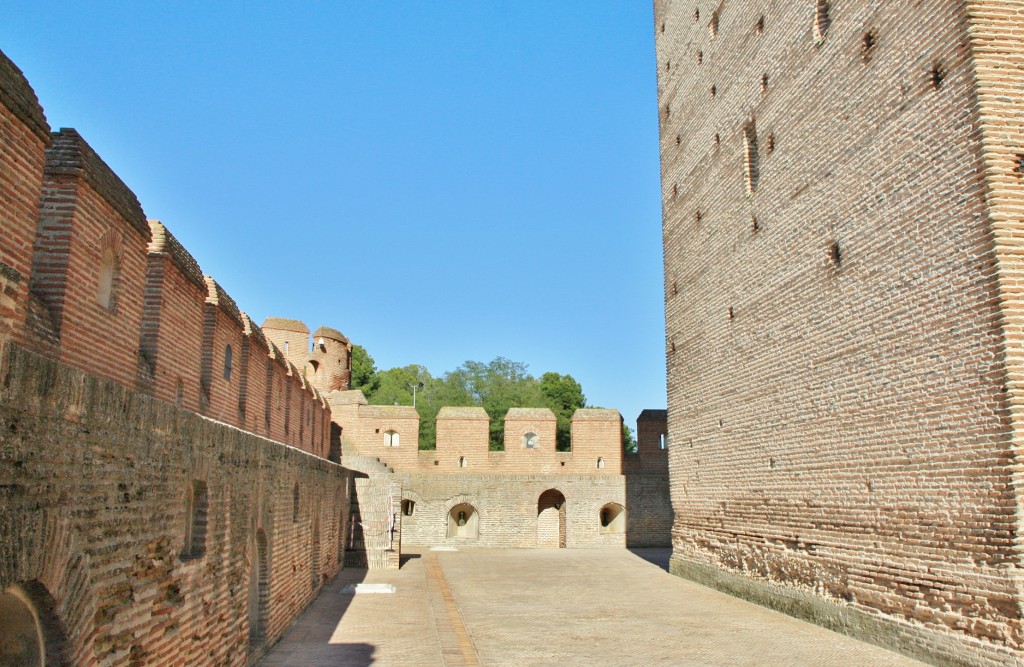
{"x":259,"y":590}
{"x":612,"y":519}
{"x":463,"y":522}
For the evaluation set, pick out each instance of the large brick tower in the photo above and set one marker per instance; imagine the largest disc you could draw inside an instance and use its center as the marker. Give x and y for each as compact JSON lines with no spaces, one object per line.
{"x":843,"y":202}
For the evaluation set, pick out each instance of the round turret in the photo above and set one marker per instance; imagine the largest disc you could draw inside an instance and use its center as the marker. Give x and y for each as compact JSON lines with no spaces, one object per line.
{"x":330,"y":361}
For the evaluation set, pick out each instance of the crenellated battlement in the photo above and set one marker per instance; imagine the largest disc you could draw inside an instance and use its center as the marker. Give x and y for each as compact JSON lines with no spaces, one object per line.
{"x":391,"y":433}
{"x":87,"y":280}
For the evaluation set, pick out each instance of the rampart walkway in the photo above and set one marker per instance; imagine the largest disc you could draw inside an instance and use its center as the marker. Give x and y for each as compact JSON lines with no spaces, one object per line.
{"x":567,"y":607}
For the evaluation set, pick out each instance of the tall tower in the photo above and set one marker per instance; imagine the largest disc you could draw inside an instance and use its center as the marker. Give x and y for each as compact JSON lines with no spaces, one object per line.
{"x":842,"y":191}
{"x":329,"y":364}
{"x":290,"y":336}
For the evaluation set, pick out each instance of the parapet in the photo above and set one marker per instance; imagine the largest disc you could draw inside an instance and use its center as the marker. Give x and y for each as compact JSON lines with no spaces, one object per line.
{"x":651,"y":414}
{"x":389,"y":411}
{"x":462,"y":412}
{"x":17,"y":95}
{"x":253,"y":331}
{"x":351,"y":397}
{"x":86,"y":279}
{"x":218,"y":297}
{"x":162,"y":242}
{"x":391,"y":434}
{"x":596,"y":414}
{"x":70,"y":155}
{"x":529,"y":414}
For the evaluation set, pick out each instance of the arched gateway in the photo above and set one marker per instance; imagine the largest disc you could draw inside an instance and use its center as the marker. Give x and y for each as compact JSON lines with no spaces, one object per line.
{"x":551,"y":520}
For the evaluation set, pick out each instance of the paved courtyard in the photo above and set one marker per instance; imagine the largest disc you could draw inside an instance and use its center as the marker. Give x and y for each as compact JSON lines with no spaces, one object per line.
{"x":552,"y":607}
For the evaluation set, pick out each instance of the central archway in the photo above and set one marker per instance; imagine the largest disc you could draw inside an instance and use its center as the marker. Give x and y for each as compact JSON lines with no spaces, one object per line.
{"x":551,"y":520}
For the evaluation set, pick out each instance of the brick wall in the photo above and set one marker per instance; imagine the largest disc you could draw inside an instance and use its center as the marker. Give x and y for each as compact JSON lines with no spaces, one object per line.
{"x":25,"y":135}
{"x":462,"y":438}
{"x":463,"y":433}
{"x":97,"y":483}
{"x":596,"y":435}
{"x":649,"y":522}
{"x":330,"y":361}
{"x":290,"y":336}
{"x":172,"y":322}
{"x":142,"y":532}
{"x":840,"y":225}
{"x":507,"y":507}
{"x":88,"y":217}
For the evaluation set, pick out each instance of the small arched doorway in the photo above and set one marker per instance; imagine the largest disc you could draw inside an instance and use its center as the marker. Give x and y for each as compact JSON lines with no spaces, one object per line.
{"x":551,"y":520}
{"x":463,"y":522}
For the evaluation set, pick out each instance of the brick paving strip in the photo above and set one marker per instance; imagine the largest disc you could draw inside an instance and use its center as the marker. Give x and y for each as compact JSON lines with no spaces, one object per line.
{"x":456,"y":644}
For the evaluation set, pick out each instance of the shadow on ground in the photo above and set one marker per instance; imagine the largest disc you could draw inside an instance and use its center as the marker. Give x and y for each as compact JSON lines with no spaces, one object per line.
{"x":316,"y":633}
{"x":655,"y":555}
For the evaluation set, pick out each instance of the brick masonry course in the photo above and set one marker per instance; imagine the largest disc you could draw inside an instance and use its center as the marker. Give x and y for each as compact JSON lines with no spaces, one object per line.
{"x":96,"y":482}
{"x":842,"y":216}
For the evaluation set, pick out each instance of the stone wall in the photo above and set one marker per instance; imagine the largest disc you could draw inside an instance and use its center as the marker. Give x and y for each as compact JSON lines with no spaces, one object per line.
{"x":649,"y":520}
{"x":507,"y":508}
{"x":841,"y":189}
{"x":463,"y":439}
{"x":98,"y":497}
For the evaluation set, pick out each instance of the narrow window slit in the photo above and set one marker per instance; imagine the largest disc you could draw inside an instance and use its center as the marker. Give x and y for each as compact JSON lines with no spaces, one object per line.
{"x":822,"y":20}
{"x":750,"y":158}
{"x":867,"y":47}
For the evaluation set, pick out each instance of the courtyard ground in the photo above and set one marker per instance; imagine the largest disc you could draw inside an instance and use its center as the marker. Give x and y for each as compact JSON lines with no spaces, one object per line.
{"x":552,"y":607}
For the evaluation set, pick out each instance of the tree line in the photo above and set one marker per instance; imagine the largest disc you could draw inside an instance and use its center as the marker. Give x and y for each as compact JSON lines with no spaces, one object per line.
{"x":495,"y":386}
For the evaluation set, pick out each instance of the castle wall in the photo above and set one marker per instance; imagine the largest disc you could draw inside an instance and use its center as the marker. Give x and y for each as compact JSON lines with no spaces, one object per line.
{"x":256,"y":353}
{"x":222,"y":343}
{"x":507,"y":507}
{"x":841,"y":373}
{"x":994,"y":29}
{"x":25,"y":135}
{"x":98,"y":481}
{"x":290,"y":336}
{"x":463,"y":436}
{"x":140,"y":531}
{"x":172,"y":322}
{"x":518,"y":458}
{"x":89,"y":218}
{"x":647,"y":483}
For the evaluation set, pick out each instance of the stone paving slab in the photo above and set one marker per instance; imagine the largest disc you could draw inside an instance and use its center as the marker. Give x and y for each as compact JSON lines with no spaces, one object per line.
{"x":612,"y":607}
{"x":554,"y":607}
{"x":364,"y":629}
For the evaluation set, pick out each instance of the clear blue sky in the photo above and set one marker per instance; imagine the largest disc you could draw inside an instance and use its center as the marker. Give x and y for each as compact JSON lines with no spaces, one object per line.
{"x":441,"y":181}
